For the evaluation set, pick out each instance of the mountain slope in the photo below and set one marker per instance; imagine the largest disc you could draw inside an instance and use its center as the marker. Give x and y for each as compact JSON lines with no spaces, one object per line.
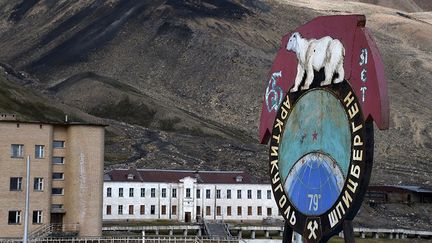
{"x":179,"y":52}
{"x":196,"y":71}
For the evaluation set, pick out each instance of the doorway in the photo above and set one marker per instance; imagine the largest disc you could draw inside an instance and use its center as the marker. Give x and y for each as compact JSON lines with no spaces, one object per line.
{"x":56,"y":218}
{"x":57,"y":221}
{"x":188,"y":217}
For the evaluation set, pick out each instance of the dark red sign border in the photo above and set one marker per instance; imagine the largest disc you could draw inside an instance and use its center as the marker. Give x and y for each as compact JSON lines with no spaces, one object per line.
{"x":351,"y":31}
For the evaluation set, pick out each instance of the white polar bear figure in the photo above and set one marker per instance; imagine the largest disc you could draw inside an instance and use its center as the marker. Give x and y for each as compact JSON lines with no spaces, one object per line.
{"x":315,"y":54}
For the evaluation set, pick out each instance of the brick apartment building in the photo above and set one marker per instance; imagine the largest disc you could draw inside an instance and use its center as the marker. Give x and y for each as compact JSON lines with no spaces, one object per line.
{"x":66,"y":172}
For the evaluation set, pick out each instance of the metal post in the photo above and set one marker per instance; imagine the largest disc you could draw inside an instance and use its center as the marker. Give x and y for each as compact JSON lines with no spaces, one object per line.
{"x":348,"y":231}
{"x":288,"y":233}
{"x":27,"y":201}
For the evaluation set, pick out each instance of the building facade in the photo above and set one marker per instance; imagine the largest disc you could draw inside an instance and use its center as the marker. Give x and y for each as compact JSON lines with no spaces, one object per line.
{"x":66,"y":176}
{"x":185,"y":196}
{"x":398,"y":194}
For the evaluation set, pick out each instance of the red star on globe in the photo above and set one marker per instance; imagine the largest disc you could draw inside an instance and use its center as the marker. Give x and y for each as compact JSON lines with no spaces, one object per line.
{"x":315,"y":135}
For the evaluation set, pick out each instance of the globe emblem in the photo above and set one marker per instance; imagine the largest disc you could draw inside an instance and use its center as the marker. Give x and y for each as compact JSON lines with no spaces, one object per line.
{"x":314,"y":183}
{"x":315,"y":152}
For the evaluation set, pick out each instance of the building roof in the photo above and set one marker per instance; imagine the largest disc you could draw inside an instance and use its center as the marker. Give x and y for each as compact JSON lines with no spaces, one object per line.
{"x":418,"y":189}
{"x":174,"y":176}
{"x":55,"y":123}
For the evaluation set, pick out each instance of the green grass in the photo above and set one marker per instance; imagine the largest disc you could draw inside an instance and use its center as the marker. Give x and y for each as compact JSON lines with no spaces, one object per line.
{"x":126,"y":111}
{"x":369,"y":240}
{"x":159,"y":222}
{"x":169,"y":124}
{"x":26,"y":104}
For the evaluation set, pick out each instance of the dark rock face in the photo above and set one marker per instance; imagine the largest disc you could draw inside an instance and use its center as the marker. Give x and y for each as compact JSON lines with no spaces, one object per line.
{"x":21,"y":9}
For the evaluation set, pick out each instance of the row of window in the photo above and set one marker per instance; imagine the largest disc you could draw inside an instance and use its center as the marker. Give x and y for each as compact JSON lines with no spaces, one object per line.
{"x":188,"y":193}
{"x":38,"y":184}
{"x":142,"y":192}
{"x":239,"y":211}
{"x":15,"y":217}
{"x":142,"y":210}
{"x":17,"y":150}
{"x":208,"y":210}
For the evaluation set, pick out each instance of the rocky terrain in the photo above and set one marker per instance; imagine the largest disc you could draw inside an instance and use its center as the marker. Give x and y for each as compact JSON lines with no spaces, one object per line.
{"x":181,"y":82}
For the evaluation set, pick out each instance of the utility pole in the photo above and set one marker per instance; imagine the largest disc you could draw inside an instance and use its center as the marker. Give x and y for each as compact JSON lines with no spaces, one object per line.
{"x":27,"y":201}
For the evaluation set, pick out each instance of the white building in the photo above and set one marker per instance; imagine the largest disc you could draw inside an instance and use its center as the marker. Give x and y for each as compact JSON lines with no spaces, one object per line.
{"x":185,"y":196}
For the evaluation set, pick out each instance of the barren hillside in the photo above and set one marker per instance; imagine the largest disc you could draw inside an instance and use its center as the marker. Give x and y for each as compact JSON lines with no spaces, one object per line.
{"x":181,"y":82}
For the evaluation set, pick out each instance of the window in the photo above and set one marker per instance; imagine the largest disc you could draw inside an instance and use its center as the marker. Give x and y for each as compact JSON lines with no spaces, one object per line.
{"x":163,"y":210}
{"x":153,"y":192}
{"x":57,"y":176}
{"x":142,"y":209}
{"x":198,"y":210}
{"x":17,"y":150}
{"x":163,"y":192}
{"x":239,"y":194}
{"x":259,"y":194}
{"x":16,"y":183}
{"x":249,"y":210}
{"x":174,"y":209}
{"x":188,"y":192}
{"x":38,"y":184}
{"x":218,"y":211}
{"x":142,"y":192}
{"x":108,"y":209}
{"x":239,"y":210}
{"x":14,"y":217}
{"x":249,"y":194}
{"x":228,"y":194}
{"x":174,"y":193}
{"x":229,"y":210}
{"x":152,"y":209}
{"x":198,"y":193}
{"x":208,"y":210}
{"x":259,"y":210}
{"x":131,"y":192}
{"x":120,"y":192}
{"x":37,"y":217}
{"x":120,"y":209}
{"x":208,"y":193}
{"x":131,"y":209}
{"x":56,"y":206}
{"x":269,"y":194}
{"x":218,"y":194}
{"x":130,"y":177}
{"x":269,"y":211}
{"x":57,"y":191}
{"x":58,"y":160}
{"x":58,"y":144}
{"x":109,"y":191}
{"x":39,"y":151}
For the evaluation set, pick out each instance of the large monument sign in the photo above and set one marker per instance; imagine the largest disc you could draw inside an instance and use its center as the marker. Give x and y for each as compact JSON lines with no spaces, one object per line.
{"x":326,"y":87}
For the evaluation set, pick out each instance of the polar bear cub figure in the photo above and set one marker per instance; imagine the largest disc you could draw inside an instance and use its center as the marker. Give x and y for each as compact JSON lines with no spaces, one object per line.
{"x":315,"y":54}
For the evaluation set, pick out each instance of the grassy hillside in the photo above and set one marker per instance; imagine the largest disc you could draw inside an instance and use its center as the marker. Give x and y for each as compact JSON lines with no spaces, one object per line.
{"x":25,"y":103}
